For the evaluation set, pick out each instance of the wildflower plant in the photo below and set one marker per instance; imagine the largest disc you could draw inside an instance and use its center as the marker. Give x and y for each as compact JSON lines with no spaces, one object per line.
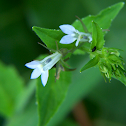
{"x":85,"y":35}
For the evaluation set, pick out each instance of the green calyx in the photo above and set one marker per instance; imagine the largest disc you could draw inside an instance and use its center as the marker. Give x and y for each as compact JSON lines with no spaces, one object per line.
{"x":111,"y":63}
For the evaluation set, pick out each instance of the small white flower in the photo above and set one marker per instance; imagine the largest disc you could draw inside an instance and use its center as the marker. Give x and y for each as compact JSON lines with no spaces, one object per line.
{"x":42,"y":67}
{"x":73,"y":34}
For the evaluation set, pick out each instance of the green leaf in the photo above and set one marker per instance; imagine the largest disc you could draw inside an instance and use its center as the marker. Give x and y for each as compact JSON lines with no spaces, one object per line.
{"x":90,"y":64}
{"x":97,"y":36}
{"x":81,"y":85}
{"x":50,"y":37}
{"x":50,"y":97}
{"x":103,"y":19}
{"x":78,"y":52}
{"x":83,"y":49}
{"x":25,"y":96}
{"x":11,"y":85}
{"x":121,"y":79}
{"x":27,"y":117}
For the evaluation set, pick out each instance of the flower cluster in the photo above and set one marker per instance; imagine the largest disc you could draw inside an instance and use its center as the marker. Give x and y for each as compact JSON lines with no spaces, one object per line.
{"x":42,"y":67}
{"x":108,"y":59}
{"x":110,"y":64}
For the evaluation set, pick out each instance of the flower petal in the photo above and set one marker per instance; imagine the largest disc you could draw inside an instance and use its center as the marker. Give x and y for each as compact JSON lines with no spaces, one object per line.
{"x":67,"y":39}
{"x":90,"y":38}
{"x":77,"y":42}
{"x":48,"y":57}
{"x":44,"y":77}
{"x":32,"y":64}
{"x":67,"y":29}
{"x":53,"y":61}
{"x":36,"y":73}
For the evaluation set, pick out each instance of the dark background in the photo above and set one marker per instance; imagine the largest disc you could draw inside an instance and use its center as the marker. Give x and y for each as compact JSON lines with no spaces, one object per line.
{"x":18,"y":43}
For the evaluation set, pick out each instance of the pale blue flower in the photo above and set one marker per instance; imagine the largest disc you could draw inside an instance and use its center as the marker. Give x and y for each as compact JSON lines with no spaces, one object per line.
{"x":73,"y":34}
{"x":42,"y":67}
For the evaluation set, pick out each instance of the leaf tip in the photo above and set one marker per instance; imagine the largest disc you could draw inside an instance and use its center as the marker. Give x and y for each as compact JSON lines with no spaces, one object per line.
{"x":123,"y":3}
{"x":33,"y":28}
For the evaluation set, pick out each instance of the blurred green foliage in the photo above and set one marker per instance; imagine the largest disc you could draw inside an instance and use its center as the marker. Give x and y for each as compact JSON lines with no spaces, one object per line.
{"x":18,"y":45}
